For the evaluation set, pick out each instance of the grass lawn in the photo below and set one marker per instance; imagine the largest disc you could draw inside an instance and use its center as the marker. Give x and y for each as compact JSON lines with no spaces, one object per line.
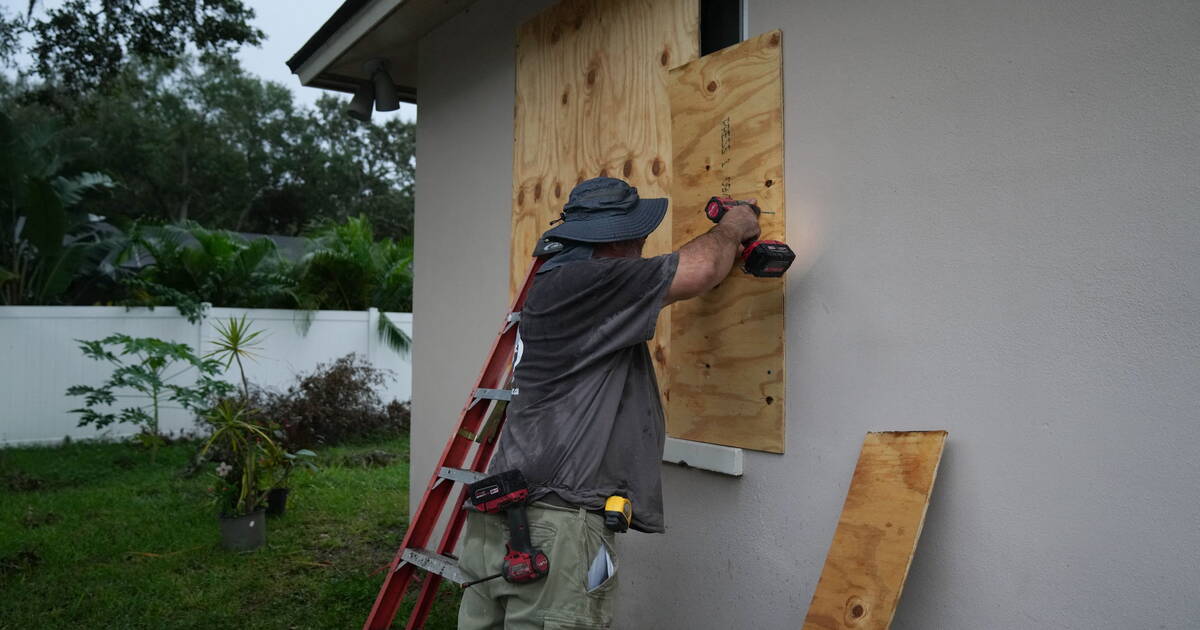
{"x":93,"y":535}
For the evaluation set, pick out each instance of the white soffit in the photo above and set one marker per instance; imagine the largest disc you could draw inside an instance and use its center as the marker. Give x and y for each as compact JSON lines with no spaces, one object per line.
{"x":345,"y":37}
{"x":387,"y":29}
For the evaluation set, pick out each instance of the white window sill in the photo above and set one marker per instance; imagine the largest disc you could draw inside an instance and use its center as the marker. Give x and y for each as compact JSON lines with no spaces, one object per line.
{"x":726,"y":460}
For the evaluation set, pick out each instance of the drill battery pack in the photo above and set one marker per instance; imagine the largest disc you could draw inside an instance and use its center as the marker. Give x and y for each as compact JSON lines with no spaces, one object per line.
{"x":500,"y":491}
{"x":767,"y":259}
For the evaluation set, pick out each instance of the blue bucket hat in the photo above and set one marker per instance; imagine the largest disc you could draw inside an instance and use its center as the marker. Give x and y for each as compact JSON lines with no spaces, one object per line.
{"x":606,"y":210}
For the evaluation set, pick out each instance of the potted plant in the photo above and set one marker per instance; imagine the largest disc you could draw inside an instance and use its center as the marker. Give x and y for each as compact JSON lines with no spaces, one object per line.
{"x":238,"y":447}
{"x":279,"y":465}
{"x":236,"y":340}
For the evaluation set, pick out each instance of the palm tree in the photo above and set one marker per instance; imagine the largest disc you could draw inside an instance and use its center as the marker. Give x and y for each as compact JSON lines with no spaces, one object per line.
{"x":347,"y":269}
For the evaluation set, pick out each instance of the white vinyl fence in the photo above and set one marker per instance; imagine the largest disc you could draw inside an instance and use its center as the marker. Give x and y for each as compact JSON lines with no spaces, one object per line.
{"x":40,"y":358}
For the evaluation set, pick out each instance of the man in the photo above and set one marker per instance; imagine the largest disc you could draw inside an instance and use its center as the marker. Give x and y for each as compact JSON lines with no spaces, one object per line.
{"x":586,"y":421}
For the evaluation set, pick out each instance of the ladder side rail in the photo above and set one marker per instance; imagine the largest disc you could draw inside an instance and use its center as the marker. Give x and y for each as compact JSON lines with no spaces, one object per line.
{"x":425,"y":600}
{"x":433,"y":502}
{"x":398,"y":577}
{"x":428,"y":593}
{"x":429,"y":588}
{"x":429,"y":511}
{"x":390,"y":596}
{"x":483,"y":456}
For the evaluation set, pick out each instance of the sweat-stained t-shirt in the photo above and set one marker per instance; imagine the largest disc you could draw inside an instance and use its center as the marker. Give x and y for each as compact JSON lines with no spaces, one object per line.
{"x":586,"y":421}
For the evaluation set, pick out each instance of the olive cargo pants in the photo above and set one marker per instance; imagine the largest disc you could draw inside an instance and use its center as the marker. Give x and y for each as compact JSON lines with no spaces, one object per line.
{"x":571,"y":538}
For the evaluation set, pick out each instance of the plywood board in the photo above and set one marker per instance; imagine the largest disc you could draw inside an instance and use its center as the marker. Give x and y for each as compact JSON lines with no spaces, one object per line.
{"x":877,"y":533}
{"x":591,"y":100}
{"x":727,"y":362}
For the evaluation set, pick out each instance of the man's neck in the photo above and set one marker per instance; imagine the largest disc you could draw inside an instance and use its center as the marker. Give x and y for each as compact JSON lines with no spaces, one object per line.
{"x":621,"y":249}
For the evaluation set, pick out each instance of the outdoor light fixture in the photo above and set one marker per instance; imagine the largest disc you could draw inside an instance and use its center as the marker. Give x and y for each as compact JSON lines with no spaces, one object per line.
{"x":360,"y":105}
{"x":379,"y":90}
{"x":386,"y":98}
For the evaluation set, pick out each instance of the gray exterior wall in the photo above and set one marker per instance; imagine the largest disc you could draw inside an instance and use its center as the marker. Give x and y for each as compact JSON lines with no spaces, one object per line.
{"x":999,"y":204}
{"x":464,"y":222}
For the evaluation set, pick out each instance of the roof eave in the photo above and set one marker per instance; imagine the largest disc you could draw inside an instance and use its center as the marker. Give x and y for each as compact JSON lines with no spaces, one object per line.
{"x":359,"y":30}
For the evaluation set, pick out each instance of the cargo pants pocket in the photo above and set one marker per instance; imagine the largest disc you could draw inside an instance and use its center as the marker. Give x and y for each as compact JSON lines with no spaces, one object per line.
{"x":562,"y":622}
{"x":599,"y":543}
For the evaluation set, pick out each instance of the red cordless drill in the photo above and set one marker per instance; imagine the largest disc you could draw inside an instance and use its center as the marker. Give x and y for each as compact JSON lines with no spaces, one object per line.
{"x":762,"y":259}
{"x":508,"y":492}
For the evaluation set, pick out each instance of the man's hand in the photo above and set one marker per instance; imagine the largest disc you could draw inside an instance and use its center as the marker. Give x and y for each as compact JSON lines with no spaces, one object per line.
{"x":742,"y":221}
{"x":706,"y":260}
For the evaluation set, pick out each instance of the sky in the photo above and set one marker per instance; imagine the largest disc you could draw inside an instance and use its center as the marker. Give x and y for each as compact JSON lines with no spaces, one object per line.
{"x":287,"y":25}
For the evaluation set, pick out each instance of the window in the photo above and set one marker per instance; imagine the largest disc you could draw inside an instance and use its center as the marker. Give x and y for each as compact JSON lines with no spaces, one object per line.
{"x":720,"y":24}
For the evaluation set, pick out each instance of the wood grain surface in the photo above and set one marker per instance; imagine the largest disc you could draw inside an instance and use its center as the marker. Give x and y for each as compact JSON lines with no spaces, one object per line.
{"x":877,"y":533}
{"x":591,"y":100}
{"x":727,"y":355}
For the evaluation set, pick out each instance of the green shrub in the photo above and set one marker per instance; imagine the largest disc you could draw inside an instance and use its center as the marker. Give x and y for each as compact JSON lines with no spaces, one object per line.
{"x":48,"y":251}
{"x":337,"y":403}
{"x":140,"y":364}
{"x":193,"y":265}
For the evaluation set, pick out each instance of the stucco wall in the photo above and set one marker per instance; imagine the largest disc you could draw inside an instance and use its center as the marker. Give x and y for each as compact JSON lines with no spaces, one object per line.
{"x":463,"y":222}
{"x":999,"y":211}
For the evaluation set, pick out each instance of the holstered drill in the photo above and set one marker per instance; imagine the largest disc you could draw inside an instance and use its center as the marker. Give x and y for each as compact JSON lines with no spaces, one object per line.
{"x":508,"y":492}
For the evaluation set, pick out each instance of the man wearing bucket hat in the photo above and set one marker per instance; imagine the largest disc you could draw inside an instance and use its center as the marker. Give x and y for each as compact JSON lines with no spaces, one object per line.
{"x":586,"y":421}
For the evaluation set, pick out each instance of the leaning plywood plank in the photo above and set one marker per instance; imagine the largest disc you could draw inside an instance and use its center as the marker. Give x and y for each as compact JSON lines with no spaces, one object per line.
{"x":727,"y":346}
{"x":878,"y":531}
{"x":591,"y":100}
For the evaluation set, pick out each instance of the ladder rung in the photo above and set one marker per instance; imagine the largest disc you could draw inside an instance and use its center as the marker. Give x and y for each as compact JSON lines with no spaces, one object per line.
{"x":493,"y":394}
{"x":460,"y":475}
{"x":510,"y":320}
{"x":435,"y":563}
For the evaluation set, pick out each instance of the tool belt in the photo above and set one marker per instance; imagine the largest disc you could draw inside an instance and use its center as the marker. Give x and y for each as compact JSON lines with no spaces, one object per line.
{"x":617,"y":510}
{"x":557,"y":501}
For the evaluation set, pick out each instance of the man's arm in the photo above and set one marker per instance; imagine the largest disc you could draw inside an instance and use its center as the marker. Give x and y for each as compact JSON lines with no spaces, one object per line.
{"x":705,"y":260}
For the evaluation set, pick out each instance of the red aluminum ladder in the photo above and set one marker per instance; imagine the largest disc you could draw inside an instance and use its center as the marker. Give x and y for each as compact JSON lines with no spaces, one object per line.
{"x":478,"y":427}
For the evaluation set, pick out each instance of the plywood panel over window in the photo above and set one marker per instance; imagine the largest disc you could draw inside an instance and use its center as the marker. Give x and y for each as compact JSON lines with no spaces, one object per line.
{"x":727,"y":360}
{"x":591,"y":100}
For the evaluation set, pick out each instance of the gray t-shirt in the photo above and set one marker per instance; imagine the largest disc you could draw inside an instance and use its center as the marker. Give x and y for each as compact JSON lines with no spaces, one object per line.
{"x":586,"y":421}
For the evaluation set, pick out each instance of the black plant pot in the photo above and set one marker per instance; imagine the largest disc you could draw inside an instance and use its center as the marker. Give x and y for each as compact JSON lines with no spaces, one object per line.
{"x":277,"y":501}
{"x":244,"y":533}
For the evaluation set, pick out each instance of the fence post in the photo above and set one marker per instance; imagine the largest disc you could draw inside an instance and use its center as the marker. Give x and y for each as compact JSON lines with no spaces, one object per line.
{"x":372,"y":323}
{"x":202,"y":323}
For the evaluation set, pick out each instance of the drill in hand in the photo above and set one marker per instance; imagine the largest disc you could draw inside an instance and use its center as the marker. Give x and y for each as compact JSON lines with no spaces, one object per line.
{"x":763,"y":258}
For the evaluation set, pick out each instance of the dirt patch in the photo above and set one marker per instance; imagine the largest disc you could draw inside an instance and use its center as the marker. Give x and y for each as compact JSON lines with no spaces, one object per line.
{"x":22,"y":561}
{"x":17,"y":481}
{"x":34,"y":520}
{"x":369,"y":459}
{"x":355,"y":555}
